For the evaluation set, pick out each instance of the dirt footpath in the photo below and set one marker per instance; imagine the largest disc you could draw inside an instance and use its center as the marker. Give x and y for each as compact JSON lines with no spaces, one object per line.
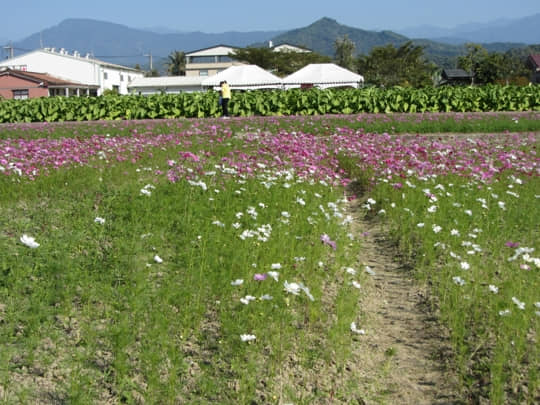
{"x":404,"y":353}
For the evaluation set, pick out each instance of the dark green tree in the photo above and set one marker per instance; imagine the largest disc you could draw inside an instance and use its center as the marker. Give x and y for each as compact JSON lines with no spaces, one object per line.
{"x":472,"y":61}
{"x":390,"y":66}
{"x":344,"y":55}
{"x":176,"y":63}
{"x":289,"y":62}
{"x":262,"y":57}
{"x":280,"y":63}
{"x":494,"y":67}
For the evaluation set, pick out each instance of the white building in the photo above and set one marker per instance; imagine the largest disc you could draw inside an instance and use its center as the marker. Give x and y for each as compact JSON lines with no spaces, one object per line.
{"x":77,"y":68}
{"x":210,"y":61}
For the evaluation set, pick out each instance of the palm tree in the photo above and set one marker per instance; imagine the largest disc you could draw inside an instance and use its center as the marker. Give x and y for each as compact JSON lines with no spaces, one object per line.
{"x":176,"y":65}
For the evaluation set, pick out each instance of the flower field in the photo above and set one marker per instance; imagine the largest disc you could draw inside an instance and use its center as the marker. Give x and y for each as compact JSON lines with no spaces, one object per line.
{"x":201,"y":260}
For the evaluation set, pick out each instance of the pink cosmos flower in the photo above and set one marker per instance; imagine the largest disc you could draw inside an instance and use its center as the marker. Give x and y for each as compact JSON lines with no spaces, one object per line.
{"x":260,"y":276}
{"x":325,"y":239}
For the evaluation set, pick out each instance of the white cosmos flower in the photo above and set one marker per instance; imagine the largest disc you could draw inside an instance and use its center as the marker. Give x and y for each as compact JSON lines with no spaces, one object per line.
{"x":266,"y":297}
{"x":158,"y":259}
{"x":356,"y":284}
{"x":247,"y":337}
{"x":465,"y":266}
{"x":350,"y":270}
{"x":275,"y":266}
{"x":274,"y":275}
{"x":520,"y":304}
{"x":236,"y":282}
{"x":468,"y":212}
{"x":199,"y":183}
{"x":432,"y":209}
{"x":295,"y":288}
{"x":355,"y":329}
{"x":504,"y":312}
{"x":437,"y":228}
{"x":99,"y":220}
{"x":29,"y":241}
{"x":493,"y":289}
{"x":420,"y":225}
{"x":247,"y":299}
{"x":454,"y":232}
{"x":369,"y":271}
{"x":292,"y":288}
{"x":458,"y":280}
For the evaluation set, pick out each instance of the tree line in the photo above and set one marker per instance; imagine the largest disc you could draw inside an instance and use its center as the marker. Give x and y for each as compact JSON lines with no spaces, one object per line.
{"x":385,"y":66}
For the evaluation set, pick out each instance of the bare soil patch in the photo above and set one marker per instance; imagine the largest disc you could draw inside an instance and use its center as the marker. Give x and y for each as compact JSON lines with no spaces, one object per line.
{"x":404,"y":355}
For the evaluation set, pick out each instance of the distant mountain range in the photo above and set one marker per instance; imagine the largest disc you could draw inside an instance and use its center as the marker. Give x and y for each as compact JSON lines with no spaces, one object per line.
{"x":120,"y":44}
{"x":522,"y":30}
{"x":321,"y":35}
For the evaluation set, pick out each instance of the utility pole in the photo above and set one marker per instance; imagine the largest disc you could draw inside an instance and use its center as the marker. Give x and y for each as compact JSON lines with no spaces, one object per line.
{"x":150,"y":56}
{"x":10,"y":47}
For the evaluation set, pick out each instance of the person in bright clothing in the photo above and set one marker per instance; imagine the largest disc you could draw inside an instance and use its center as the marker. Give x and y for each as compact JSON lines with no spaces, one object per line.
{"x":225,"y":97}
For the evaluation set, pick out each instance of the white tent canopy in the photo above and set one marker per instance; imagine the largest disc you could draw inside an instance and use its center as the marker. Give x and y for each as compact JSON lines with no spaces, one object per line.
{"x":323,"y":75}
{"x":165,"y":84}
{"x":245,"y":77}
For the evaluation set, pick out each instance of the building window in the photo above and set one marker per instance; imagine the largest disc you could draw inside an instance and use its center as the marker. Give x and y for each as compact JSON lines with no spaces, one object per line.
{"x":105,"y":76}
{"x":203,"y":59}
{"x":20,"y":94}
{"x":203,"y":72}
{"x":121,"y":77}
{"x":225,"y":58}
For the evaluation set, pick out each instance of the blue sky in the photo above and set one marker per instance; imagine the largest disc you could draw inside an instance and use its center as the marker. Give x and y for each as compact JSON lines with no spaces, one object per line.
{"x":24,"y":18}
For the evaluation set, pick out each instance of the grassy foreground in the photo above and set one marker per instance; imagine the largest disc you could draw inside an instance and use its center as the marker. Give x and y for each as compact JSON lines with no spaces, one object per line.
{"x":198,"y":261}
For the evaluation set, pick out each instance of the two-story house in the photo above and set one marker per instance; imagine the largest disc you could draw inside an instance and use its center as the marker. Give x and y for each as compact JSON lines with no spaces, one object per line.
{"x":210,"y":61}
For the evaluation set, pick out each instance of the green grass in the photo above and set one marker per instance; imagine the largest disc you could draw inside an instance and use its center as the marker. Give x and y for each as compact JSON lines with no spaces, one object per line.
{"x":393,"y":123}
{"x":494,"y":340}
{"x":93,"y":310}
